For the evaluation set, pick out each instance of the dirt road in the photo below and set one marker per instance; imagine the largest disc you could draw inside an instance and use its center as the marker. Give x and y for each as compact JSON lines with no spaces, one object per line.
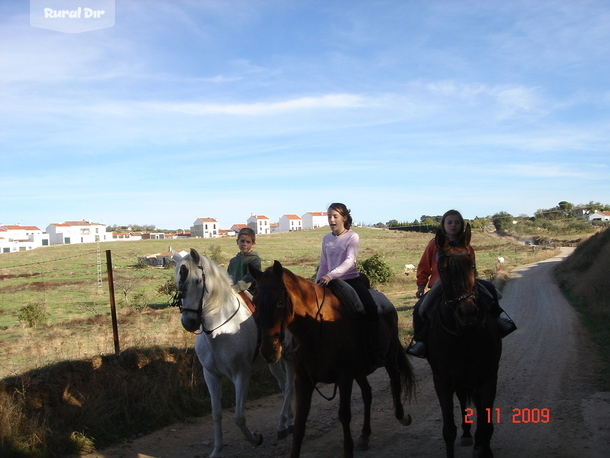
{"x":549,"y":363}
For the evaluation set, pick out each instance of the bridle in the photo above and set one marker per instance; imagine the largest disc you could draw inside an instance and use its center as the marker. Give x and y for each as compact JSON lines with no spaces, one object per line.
{"x":453,"y":302}
{"x":181,"y":294}
{"x":266,"y":310}
{"x":284,"y":303}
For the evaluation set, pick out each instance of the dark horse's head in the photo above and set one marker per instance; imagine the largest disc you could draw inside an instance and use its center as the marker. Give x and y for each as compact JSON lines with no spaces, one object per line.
{"x":457,"y":272}
{"x":273,"y":305}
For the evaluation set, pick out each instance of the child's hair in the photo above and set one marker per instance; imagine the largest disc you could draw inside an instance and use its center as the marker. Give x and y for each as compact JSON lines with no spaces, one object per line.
{"x":343,"y":211}
{"x":248,"y":232}
{"x":452,"y":213}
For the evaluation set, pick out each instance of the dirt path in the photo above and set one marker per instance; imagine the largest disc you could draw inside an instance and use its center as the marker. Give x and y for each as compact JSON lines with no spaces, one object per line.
{"x":547,"y":364}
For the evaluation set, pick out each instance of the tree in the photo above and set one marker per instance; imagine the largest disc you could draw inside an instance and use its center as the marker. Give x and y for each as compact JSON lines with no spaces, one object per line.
{"x":566,"y":208}
{"x":503,"y":221}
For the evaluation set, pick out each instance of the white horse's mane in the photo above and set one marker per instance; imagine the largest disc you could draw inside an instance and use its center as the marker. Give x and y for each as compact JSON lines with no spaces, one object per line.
{"x":218,"y":291}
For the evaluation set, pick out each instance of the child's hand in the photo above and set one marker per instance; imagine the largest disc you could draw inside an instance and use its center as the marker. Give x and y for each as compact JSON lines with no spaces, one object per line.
{"x":324,"y":280}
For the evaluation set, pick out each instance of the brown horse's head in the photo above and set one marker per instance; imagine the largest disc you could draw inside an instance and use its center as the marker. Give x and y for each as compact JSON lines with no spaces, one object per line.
{"x":274,"y":306}
{"x":457,"y":273}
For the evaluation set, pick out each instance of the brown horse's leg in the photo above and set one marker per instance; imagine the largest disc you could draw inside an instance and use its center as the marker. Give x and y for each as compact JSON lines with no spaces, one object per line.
{"x":445,"y":398}
{"x":367,"y":399}
{"x":304,"y":390}
{"x":345,"y":417}
{"x":466,"y":438}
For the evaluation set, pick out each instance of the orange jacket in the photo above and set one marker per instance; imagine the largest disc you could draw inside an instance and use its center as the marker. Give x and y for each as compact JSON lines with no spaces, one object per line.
{"x":427,"y":272}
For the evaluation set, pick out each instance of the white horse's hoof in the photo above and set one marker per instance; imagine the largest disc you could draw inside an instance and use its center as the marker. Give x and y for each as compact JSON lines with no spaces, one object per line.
{"x":284,"y":433}
{"x":406,"y":421}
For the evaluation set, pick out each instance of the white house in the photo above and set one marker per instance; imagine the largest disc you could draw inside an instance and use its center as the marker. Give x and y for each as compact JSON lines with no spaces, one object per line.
{"x":21,"y":238}
{"x":71,"y":232}
{"x":259,"y":224}
{"x":313,"y":220}
{"x":126,"y":236}
{"x":599,"y":216}
{"x":205,"y":228}
{"x":290,"y":223}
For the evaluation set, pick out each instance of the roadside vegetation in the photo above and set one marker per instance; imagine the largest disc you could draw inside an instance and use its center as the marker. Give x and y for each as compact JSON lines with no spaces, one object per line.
{"x":584,"y":279}
{"x":62,"y":388}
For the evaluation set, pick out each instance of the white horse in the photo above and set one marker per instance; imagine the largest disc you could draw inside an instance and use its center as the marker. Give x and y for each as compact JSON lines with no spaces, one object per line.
{"x":227,"y":343}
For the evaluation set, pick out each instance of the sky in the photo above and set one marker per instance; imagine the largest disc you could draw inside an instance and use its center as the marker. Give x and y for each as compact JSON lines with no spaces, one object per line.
{"x":190,"y":109}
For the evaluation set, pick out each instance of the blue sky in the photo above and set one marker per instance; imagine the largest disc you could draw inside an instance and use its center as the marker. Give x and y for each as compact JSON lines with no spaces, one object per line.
{"x":189,"y":109}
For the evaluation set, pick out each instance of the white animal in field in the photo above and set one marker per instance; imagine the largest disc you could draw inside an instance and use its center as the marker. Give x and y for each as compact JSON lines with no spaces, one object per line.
{"x":500,"y":262}
{"x":409,"y":268}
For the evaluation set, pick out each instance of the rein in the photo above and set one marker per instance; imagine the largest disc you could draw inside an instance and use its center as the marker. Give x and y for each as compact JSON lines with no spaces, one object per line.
{"x":456,"y":300}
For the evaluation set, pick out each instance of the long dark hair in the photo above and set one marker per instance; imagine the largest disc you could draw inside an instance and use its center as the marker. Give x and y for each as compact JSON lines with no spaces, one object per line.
{"x":452,"y":213}
{"x":343,"y":211}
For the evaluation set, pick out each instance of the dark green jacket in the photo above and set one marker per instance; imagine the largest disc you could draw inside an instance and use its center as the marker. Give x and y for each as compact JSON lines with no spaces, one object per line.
{"x":238,"y":267}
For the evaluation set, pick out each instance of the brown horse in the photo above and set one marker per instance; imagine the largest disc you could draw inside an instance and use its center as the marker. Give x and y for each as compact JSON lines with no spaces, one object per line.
{"x":464,"y":346}
{"x":330,"y":347}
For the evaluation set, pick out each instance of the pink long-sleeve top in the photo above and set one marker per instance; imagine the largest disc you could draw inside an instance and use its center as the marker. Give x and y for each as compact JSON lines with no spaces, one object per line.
{"x":338,"y":259}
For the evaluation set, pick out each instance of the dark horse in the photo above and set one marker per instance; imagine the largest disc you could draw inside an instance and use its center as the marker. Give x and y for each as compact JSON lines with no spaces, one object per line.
{"x":330,"y":347}
{"x":464,"y":346}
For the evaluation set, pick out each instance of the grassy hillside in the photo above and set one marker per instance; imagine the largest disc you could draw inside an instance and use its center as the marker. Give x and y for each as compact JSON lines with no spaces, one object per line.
{"x":93,"y":397}
{"x":584,"y":277}
{"x":64,"y":280}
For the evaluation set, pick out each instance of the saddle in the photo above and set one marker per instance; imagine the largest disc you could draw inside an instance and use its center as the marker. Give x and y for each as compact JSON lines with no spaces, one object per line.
{"x":349,"y":298}
{"x":432,"y":299}
{"x":247,"y":297}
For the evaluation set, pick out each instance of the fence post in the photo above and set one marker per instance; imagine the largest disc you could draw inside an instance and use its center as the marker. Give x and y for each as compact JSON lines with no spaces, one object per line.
{"x":115,"y":328}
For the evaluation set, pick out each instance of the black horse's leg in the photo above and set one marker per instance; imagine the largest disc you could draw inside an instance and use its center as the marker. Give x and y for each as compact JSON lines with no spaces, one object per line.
{"x":367,"y":399}
{"x":345,"y":416}
{"x":467,"y":418}
{"x":445,"y":398}
{"x":485,"y":428}
{"x":304,"y":390}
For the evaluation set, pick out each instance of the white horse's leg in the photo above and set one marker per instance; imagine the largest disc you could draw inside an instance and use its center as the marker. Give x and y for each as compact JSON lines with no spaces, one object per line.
{"x":284,"y":374}
{"x":242,"y":382}
{"x":214,"y":384}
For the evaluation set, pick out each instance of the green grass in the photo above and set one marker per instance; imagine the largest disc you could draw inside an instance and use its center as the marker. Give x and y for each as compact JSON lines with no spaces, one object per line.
{"x":65,"y":278}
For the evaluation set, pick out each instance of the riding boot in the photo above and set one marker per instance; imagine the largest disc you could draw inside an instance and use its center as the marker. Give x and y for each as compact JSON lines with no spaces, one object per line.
{"x":419,"y":327}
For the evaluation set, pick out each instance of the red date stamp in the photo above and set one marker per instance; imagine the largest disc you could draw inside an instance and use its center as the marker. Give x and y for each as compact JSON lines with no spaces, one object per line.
{"x":516,"y":415}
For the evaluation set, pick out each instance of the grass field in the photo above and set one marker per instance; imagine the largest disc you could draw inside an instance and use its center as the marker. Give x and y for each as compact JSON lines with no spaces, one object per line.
{"x":65,"y":280}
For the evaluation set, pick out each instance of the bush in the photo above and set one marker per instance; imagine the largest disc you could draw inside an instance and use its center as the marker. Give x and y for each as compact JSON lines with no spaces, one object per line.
{"x":376,"y":269}
{"x":33,"y":314}
{"x":138,"y":302}
{"x":215,"y":254}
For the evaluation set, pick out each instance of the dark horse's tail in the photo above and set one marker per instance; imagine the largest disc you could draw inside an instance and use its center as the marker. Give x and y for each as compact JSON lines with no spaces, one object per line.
{"x":407,"y":377}
{"x":402,"y":379}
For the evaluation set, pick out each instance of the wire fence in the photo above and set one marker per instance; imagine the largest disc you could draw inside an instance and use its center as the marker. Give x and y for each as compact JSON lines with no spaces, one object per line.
{"x":58,"y":308}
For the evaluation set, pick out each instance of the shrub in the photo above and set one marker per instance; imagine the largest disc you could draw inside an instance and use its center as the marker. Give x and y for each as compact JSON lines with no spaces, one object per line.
{"x":167,"y":289}
{"x":215,"y":254}
{"x":138,"y":301}
{"x":376,"y":269}
{"x":33,"y":314}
